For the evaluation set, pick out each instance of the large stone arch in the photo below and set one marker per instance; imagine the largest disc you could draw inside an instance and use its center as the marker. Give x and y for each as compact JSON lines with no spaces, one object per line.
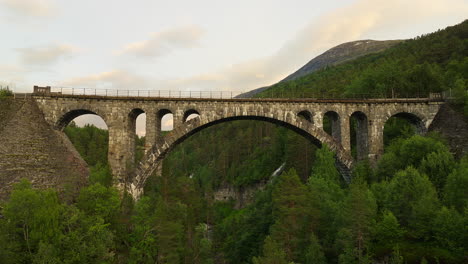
{"x":67,"y":115}
{"x":303,"y":127}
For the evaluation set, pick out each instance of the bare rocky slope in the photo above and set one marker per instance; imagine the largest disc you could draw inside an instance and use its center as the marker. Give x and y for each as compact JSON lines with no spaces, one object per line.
{"x":31,"y":149}
{"x":336,"y":55}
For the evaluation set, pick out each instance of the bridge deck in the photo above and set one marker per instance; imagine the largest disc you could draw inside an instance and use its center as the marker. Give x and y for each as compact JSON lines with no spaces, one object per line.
{"x":298,"y":100}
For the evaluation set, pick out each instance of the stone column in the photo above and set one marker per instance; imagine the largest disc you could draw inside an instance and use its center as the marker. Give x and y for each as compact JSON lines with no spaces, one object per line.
{"x":344,"y":132}
{"x":376,"y":144}
{"x":178,"y":117}
{"x":362,"y":136}
{"x":153,"y":124}
{"x":318,"y":119}
{"x":121,"y":150}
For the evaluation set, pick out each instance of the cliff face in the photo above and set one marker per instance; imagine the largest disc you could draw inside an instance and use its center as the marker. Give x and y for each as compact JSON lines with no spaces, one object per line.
{"x":31,"y":149}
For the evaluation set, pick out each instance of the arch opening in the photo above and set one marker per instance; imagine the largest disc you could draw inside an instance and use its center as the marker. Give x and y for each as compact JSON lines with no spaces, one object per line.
{"x":359,"y":135}
{"x":88,"y":132}
{"x":81,"y":117}
{"x":306,"y":115}
{"x":402,"y":125}
{"x":190,"y":114}
{"x":137,"y":129}
{"x":164,"y":120}
{"x":331,"y":125}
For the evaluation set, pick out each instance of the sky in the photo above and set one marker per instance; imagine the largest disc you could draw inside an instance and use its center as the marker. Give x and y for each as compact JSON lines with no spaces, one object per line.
{"x":198,"y":45}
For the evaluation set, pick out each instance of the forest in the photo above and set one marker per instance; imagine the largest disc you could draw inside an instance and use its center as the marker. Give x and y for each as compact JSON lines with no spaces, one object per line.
{"x":410,"y":207}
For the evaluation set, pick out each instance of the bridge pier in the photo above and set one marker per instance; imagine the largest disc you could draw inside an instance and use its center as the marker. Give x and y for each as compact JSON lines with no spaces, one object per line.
{"x":376,"y":144}
{"x":344,"y":136}
{"x":121,"y":154}
{"x":153,"y":125}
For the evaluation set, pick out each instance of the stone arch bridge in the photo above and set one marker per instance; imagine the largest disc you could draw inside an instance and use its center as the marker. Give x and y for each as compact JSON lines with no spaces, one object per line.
{"x":304,"y":116}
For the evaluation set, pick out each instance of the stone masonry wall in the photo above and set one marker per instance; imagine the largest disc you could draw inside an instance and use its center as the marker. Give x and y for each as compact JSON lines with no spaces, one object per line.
{"x":31,"y":149}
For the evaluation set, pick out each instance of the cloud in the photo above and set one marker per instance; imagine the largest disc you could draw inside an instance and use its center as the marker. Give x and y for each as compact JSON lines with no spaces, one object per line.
{"x":361,"y":19}
{"x":46,"y":55}
{"x":114,"y":79}
{"x":164,"y":42}
{"x":33,"y":8}
{"x":11,"y":75}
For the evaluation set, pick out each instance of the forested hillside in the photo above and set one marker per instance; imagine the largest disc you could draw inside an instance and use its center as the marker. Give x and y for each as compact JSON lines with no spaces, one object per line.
{"x":434,"y":62}
{"x":412,"y":207}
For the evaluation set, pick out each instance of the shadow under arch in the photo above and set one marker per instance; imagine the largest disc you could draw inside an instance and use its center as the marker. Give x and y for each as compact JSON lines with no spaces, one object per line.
{"x":334,"y":124}
{"x":306,"y":115}
{"x":414,"y":119}
{"x":361,"y":134}
{"x":68,"y":116}
{"x":189,"y":113}
{"x":159,"y":151}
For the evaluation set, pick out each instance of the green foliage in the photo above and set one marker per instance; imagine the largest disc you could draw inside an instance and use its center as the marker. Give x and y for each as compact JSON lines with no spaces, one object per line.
{"x":412,"y":195}
{"x":425,"y":153}
{"x":203,"y":245}
{"x":265,"y":147}
{"x":99,"y":201}
{"x":314,"y":253}
{"x":5,"y":92}
{"x":36,"y":216}
{"x":272,"y":253}
{"x":386,"y":233}
{"x":254,"y":221}
{"x":325,"y":167}
{"x":448,"y":227}
{"x":39,"y":229}
{"x":437,"y":165}
{"x":92,"y":144}
{"x":143,"y":242}
{"x":359,"y":213}
{"x":397,"y":128}
{"x":455,"y":193}
{"x":294,"y":215}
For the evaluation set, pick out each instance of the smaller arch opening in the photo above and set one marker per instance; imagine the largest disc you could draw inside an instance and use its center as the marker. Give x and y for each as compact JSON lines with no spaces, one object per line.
{"x":331,"y":125}
{"x":190,"y":114}
{"x":358,"y":123}
{"x":165,"y":120}
{"x":402,"y":125}
{"x":137,"y":124}
{"x":305,"y":115}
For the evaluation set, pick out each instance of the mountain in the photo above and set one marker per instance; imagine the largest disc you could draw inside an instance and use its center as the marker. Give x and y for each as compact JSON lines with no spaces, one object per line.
{"x":341,"y":53}
{"x":336,"y":55}
{"x":431,"y":63}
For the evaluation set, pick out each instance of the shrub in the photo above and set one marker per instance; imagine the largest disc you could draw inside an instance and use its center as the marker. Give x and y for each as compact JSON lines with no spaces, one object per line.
{"x":5,"y":92}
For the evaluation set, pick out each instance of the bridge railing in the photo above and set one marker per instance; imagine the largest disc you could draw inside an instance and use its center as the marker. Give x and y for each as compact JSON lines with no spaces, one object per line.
{"x":55,"y":90}
{"x":143,"y":93}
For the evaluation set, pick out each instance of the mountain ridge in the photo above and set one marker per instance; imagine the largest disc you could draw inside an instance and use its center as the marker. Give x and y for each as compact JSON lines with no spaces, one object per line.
{"x":339,"y":54}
